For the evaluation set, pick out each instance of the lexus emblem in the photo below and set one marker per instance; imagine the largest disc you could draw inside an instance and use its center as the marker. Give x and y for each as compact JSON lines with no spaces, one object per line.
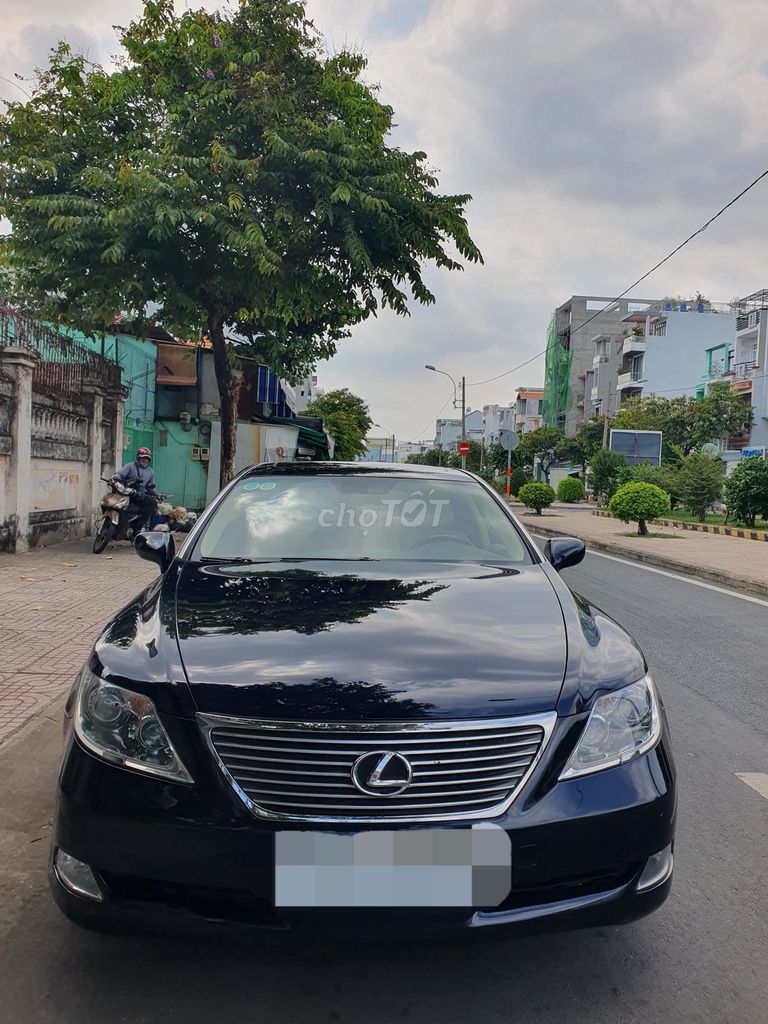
{"x":382,"y":773}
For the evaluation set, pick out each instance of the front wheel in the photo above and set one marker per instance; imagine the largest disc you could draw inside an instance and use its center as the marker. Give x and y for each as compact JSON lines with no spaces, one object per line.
{"x":103,"y":535}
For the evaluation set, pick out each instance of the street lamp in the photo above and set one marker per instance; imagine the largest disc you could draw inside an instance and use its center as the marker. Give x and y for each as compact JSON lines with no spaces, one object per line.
{"x":428,"y":366}
{"x":391,"y":435}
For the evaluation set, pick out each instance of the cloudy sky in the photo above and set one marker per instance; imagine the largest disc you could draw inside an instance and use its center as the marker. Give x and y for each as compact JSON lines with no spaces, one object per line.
{"x":594,"y":135}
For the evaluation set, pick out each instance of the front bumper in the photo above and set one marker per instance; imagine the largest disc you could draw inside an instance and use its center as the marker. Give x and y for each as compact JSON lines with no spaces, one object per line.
{"x":166,"y":855}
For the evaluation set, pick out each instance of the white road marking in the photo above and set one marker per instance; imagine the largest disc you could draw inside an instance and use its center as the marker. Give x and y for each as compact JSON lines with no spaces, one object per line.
{"x":675,"y":576}
{"x":757,"y":780}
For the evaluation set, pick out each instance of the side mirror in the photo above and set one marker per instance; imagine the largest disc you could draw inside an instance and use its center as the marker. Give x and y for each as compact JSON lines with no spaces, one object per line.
{"x":564,"y":552}
{"x":156,"y":546}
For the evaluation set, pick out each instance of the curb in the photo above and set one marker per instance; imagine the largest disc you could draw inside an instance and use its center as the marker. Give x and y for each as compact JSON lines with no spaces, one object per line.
{"x":722,"y":531}
{"x":650,"y":558}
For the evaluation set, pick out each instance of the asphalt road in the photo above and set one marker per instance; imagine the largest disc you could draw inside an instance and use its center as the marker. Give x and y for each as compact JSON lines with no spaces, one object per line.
{"x":703,"y":957}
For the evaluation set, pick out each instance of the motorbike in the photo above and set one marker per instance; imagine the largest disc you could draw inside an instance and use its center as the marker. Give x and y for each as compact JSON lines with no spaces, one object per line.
{"x":118,"y":523}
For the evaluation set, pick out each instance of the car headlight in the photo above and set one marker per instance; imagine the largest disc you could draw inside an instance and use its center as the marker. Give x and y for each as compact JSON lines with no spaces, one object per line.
{"x":621,"y":725}
{"x":123,"y":728}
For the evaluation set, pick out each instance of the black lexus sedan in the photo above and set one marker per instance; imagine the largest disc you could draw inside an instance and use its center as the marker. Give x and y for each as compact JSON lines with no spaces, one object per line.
{"x":357,"y":692}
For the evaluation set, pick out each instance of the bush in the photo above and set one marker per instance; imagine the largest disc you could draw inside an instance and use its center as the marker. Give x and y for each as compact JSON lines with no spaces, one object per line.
{"x":570,"y":489}
{"x":746,"y":491}
{"x":699,"y":483}
{"x":603,"y":473}
{"x":637,"y":503}
{"x":664,"y":476}
{"x":537,"y":496}
{"x":517,"y":480}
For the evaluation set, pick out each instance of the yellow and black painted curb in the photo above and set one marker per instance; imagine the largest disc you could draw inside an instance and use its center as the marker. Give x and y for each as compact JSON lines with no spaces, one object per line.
{"x":678,"y":524}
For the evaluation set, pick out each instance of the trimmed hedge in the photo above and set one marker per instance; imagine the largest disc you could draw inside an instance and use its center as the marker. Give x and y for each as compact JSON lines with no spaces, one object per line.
{"x":570,"y":489}
{"x":536,"y":496}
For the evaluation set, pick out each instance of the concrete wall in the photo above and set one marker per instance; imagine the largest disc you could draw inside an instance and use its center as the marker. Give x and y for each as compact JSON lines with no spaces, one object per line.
{"x":672,"y":362}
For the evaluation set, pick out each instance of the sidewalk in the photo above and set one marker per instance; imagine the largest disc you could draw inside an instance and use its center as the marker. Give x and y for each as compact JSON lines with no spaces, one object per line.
{"x":729,"y":561}
{"x":54,"y":603}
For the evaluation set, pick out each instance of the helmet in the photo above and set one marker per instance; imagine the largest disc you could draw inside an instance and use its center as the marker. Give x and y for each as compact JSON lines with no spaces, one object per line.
{"x":143,"y":453}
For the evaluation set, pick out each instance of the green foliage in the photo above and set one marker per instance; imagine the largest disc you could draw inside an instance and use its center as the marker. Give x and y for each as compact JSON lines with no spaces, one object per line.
{"x":746,"y":491}
{"x":637,"y":503}
{"x":664,"y":476}
{"x":346,"y":418}
{"x":537,"y":443}
{"x":517,"y":480}
{"x":687,"y":422}
{"x":431,"y":457}
{"x":580,"y":448}
{"x":536,"y":496}
{"x":570,"y":489}
{"x":453,"y":460}
{"x":699,"y":482}
{"x":496,"y":457}
{"x":229,"y":172}
{"x":603,"y":476}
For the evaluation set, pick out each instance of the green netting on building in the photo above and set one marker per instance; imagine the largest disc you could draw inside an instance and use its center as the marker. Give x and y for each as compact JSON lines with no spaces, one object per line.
{"x":557,"y":372}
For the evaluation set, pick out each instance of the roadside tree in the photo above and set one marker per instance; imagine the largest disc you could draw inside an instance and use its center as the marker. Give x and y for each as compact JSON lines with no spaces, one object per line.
{"x":746,"y":491}
{"x":699,"y":483}
{"x":347,"y":420}
{"x":537,"y":444}
{"x":223,"y":174}
{"x":637,"y":503}
{"x":603,"y":474}
{"x":580,"y":448}
{"x":570,"y":489}
{"x":536,"y":496}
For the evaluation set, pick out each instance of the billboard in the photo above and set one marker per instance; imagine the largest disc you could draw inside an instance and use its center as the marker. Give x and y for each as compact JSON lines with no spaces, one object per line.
{"x":637,"y":446}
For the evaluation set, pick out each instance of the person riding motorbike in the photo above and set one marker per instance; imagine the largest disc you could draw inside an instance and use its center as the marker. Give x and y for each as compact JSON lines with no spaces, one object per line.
{"x":139,"y":476}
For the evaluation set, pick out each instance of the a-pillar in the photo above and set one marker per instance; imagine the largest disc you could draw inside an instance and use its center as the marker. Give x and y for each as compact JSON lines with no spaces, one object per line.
{"x":19,"y":363}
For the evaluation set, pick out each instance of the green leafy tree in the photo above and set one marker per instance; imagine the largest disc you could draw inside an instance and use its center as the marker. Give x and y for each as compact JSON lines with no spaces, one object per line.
{"x":570,"y":489}
{"x":580,"y":448}
{"x":637,"y":503}
{"x":517,"y":480}
{"x":453,"y":460}
{"x":346,"y":418}
{"x":228,"y":174}
{"x":721,"y":412}
{"x":536,"y":496}
{"x":496,"y":457}
{"x":699,"y":483}
{"x":603,"y":474}
{"x":664,"y":476}
{"x":746,"y":491}
{"x":538,"y":444}
{"x":431,"y":457}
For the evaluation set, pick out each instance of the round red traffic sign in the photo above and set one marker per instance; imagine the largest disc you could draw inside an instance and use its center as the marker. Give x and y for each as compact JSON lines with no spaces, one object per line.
{"x":463,"y":447}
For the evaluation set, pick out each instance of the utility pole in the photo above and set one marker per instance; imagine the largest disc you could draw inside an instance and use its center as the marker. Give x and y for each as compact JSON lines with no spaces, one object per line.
{"x":463,"y":418}
{"x":393,"y":448}
{"x":607,"y":417}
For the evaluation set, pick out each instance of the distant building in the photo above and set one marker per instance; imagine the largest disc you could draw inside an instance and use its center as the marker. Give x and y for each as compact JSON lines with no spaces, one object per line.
{"x":527,"y":408}
{"x":495,"y":419}
{"x":379,"y":449}
{"x":664,"y":351}
{"x":741,"y":361}
{"x":406,"y":448}
{"x":448,"y":431}
{"x":582,"y":358}
{"x":307,"y":391}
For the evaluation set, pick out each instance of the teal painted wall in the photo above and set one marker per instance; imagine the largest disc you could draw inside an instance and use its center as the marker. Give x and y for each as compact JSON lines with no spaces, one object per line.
{"x":182,"y":478}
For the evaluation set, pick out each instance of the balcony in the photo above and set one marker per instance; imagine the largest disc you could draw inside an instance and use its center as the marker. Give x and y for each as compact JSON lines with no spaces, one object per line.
{"x":633,"y":345}
{"x":632,"y":379}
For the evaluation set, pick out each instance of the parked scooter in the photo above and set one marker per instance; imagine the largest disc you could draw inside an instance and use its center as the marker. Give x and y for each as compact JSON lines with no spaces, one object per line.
{"x":118,"y":523}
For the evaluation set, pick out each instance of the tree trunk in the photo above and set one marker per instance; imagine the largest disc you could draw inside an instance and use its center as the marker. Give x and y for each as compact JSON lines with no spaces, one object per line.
{"x":642,"y":528}
{"x":228,"y":381}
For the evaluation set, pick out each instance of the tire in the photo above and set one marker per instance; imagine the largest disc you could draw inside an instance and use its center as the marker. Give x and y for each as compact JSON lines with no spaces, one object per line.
{"x":103,"y":535}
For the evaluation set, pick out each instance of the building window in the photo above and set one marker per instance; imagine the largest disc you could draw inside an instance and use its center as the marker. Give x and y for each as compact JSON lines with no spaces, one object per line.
{"x":598,"y":409}
{"x":658,"y":327}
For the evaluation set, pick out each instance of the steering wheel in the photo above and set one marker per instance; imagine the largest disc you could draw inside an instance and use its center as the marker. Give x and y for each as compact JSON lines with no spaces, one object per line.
{"x":462,"y":538}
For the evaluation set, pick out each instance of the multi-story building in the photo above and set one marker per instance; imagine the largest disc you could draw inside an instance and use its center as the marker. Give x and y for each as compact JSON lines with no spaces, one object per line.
{"x":406,"y":448}
{"x":448,"y":431}
{"x":307,"y":391}
{"x":527,"y":408}
{"x":741,"y":361}
{"x":663,"y":351}
{"x":582,"y":358}
{"x":495,"y":419}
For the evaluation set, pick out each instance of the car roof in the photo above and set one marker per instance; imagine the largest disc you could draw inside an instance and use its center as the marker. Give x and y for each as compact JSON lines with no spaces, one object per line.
{"x":358,"y":469}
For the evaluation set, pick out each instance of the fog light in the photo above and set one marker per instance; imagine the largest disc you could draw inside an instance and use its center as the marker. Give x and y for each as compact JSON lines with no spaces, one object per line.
{"x":657,"y":869}
{"x":77,"y":877}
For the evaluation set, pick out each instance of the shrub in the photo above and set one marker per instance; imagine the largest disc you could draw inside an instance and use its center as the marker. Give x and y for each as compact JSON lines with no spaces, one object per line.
{"x":517,"y":480}
{"x":603,"y":473}
{"x":699,"y":482}
{"x":664,"y":476}
{"x":637,"y":503}
{"x":746,"y":491}
{"x":537,"y":496}
{"x":570,"y":489}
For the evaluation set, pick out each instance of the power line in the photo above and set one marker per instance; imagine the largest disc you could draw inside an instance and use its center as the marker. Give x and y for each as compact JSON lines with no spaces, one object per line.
{"x":419,"y":436}
{"x":634,"y":284}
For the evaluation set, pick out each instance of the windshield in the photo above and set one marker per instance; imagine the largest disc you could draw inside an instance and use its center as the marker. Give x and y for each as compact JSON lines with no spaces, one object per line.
{"x":361,"y":517}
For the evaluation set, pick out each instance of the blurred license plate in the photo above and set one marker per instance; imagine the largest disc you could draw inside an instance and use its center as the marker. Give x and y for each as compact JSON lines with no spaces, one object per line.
{"x":457,"y":867}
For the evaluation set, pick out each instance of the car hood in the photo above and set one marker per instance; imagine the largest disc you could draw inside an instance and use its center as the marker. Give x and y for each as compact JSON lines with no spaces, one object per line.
{"x":322,"y":641}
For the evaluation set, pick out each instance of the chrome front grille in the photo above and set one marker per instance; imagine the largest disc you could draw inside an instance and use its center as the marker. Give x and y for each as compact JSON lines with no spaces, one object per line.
{"x":303,"y":771}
